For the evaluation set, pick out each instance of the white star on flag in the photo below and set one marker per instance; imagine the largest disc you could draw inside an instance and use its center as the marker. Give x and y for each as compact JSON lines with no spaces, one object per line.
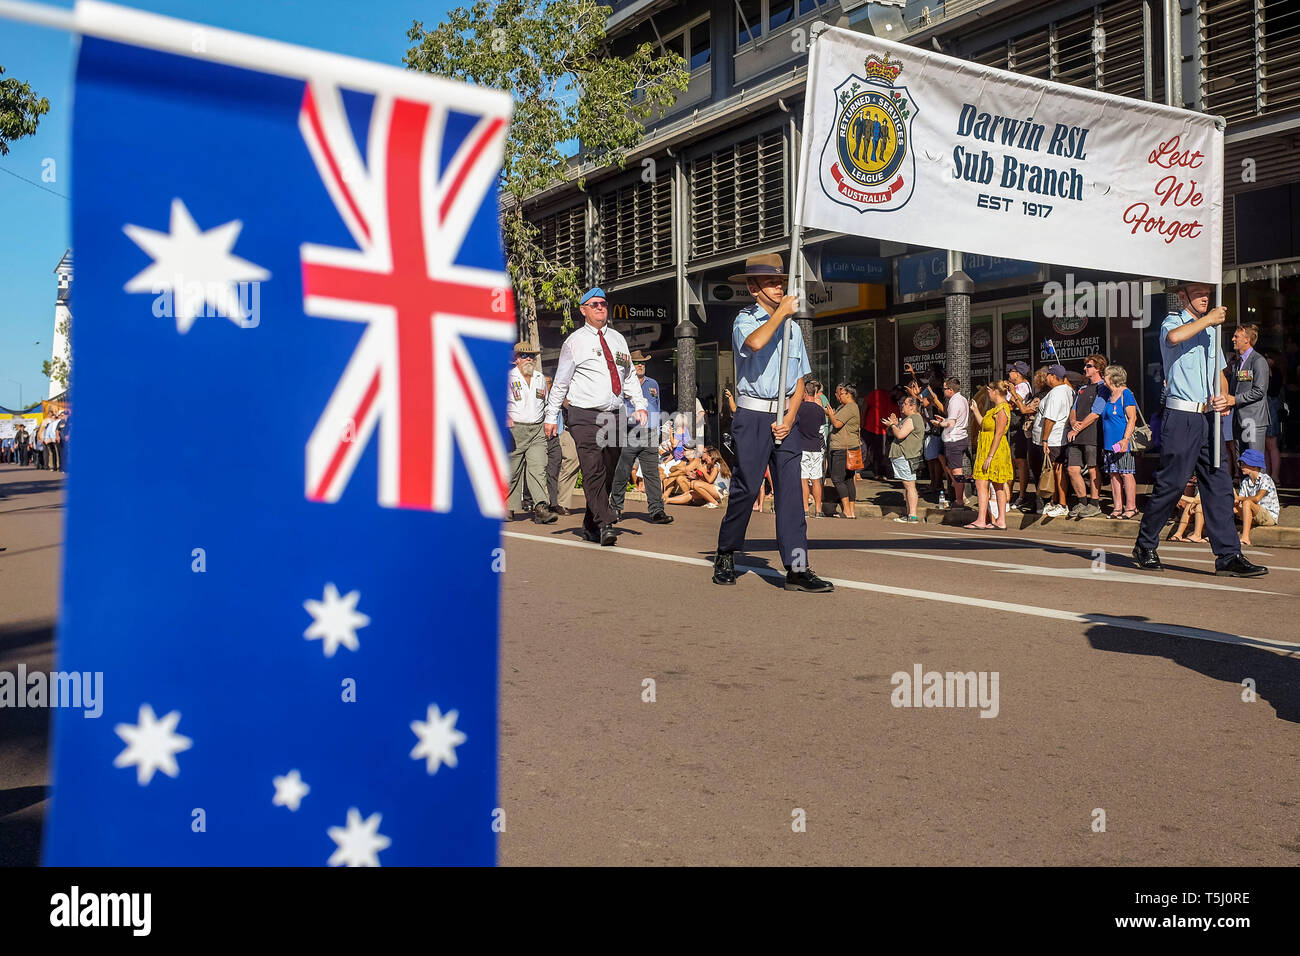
{"x":335,"y":619}
{"x":196,"y":266}
{"x":152,"y":744}
{"x":289,"y":790}
{"x":359,"y":843}
{"x":439,"y":739}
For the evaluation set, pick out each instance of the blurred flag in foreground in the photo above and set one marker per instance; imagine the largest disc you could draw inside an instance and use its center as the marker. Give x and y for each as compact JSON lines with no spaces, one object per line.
{"x":283,"y":520}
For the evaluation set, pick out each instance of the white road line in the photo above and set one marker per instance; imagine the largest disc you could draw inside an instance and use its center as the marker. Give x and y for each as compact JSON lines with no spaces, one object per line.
{"x":1083,"y":547}
{"x":1282,"y":648}
{"x":1078,"y":542}
{"x":1108,"y":576}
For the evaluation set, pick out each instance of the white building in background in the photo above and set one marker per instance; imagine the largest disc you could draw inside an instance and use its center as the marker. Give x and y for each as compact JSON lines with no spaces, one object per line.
{"x":62,"y":318}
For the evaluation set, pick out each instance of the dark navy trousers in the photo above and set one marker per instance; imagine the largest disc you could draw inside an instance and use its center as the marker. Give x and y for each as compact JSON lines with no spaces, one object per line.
{"x":1187,"y":445}
{"x":756,"y":451}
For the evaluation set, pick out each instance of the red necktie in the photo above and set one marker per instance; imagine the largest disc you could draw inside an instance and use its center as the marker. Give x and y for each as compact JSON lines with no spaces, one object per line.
{"x":615,"y":383}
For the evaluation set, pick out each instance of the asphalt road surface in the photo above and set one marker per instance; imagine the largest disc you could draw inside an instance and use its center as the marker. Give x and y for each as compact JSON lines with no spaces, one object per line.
{"x":772,"y":736}
{"x":1119,"y":692}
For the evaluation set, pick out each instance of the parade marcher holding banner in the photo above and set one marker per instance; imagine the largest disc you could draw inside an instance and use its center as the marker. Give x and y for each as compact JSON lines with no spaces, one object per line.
{"x":756,"y":339}
{"x":525,"y":408}
{"x":1195,"y":392}
{"x":595,"y":374}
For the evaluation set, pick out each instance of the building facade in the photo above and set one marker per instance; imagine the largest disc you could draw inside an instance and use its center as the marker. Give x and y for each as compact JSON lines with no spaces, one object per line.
{"x":713,"y":183}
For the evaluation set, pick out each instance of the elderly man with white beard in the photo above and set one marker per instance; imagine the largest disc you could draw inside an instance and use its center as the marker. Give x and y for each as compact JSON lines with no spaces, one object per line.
{"x":525,"y":409}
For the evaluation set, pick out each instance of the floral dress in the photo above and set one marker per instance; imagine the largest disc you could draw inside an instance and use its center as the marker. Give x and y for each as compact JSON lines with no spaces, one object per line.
{"x":1001,"y":470}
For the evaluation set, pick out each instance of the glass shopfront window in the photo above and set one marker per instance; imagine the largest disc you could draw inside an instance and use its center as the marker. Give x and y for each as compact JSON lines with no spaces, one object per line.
{"x":1269,"y":296}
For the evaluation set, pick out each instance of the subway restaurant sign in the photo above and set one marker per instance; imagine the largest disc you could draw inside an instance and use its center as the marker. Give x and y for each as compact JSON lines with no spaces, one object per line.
{"x":908,"y":145}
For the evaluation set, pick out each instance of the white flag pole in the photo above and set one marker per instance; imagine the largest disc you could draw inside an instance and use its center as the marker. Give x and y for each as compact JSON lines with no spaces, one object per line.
{"x":795,"y":285}
{"x":1214,"y":377}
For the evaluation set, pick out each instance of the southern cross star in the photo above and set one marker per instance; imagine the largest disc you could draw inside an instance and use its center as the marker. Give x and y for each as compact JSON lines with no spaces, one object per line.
{"x":335,"y":620}
{"x":152,"y":744}
{"x":359,"y":842}
{"x":439,"y":739}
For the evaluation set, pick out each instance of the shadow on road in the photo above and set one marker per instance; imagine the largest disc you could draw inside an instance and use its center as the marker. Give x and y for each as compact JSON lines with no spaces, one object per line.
{"x":26,"y":634}
{"x":20,"y":835}
{"x":1277,"y":678}
{"x":12,"y":489}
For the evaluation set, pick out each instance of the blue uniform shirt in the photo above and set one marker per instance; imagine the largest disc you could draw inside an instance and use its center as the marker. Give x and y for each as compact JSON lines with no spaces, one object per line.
{"x":759,"y":373}
{"x":1187,"y":365}
{"x":650,"y":389}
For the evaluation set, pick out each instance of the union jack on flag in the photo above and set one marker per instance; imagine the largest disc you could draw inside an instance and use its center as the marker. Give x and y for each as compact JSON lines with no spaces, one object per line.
{"x":408,"y":208}
{"x":288,"y":678}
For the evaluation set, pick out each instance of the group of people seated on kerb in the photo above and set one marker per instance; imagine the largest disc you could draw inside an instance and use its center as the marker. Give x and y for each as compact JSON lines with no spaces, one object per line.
{"x":692,"y":473}
{"x":1255,"y":503}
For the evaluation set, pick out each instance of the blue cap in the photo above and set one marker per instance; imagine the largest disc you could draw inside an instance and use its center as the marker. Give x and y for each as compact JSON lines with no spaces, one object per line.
{"x":1252,"y":457}
{"x":591,"y":294}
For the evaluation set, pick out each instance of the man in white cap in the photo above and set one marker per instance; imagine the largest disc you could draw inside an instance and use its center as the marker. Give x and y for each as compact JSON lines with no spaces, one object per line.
{"x":525,"y":408}
{"x":595,"y":374}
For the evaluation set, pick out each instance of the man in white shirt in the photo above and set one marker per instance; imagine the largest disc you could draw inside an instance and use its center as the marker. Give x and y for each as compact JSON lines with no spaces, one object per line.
{"x":525,"y":408}
{"x":1055,"y":412}
{"x":956,"y":437}
{"x":595,"y":374}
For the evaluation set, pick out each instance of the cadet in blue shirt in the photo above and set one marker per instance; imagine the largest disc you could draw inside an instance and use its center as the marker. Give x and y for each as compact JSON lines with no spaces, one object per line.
{"x":1194,"y":394}
{"x":756,"y":341}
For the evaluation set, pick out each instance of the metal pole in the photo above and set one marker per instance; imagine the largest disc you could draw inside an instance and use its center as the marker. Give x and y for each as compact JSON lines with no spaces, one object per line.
{"x":793,"y":287}
{"x":1214,"y":373}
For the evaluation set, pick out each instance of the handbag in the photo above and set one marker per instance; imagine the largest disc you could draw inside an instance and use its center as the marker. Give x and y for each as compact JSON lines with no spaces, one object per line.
{"x":1046,"y":480}
{"x":854,"y":460}
{"x":1141,"y":438}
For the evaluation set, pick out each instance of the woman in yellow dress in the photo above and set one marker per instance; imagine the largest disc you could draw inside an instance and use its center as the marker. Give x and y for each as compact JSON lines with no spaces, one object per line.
{"x":993,"y":455}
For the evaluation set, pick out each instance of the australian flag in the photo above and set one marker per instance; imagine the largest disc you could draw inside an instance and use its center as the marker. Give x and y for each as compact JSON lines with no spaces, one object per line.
{"x":284,"y":542}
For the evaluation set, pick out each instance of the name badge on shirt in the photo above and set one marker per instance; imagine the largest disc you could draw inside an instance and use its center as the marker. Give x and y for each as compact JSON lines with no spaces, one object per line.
{"x":654,"y":393}
{"x":541,"y":393}
{"x":622,"y":358}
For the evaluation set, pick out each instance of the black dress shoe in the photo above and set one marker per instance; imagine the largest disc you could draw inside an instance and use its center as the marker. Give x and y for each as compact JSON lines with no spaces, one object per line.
{"x":661,"y":517}
{"x":543,"y":515}
{"x":592,"y":536}
{"x":1147,"y":559}
{"x":559,"y":510}
{"x":724,"y":568}
{"x":608,"y":536}
{"x":806,"y":581}
{"x":1238,"y":567}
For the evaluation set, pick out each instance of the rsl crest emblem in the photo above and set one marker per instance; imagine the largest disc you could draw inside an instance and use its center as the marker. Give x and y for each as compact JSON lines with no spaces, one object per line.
{"x":867,"y":162}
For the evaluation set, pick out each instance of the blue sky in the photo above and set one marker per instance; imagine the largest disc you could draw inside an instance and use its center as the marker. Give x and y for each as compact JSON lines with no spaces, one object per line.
{"x":34,"y":223}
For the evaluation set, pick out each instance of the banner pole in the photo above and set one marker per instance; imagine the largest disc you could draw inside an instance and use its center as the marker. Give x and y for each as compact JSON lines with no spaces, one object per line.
{"x":794,"y":286}
{"x":1214,"y":373}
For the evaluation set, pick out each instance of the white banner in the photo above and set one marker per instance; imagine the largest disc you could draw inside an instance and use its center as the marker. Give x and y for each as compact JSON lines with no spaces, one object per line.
{"x":916,"y":147}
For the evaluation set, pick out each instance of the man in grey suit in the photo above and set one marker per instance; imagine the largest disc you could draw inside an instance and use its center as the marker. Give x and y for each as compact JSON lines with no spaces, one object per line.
{"x":1249,"y":382}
